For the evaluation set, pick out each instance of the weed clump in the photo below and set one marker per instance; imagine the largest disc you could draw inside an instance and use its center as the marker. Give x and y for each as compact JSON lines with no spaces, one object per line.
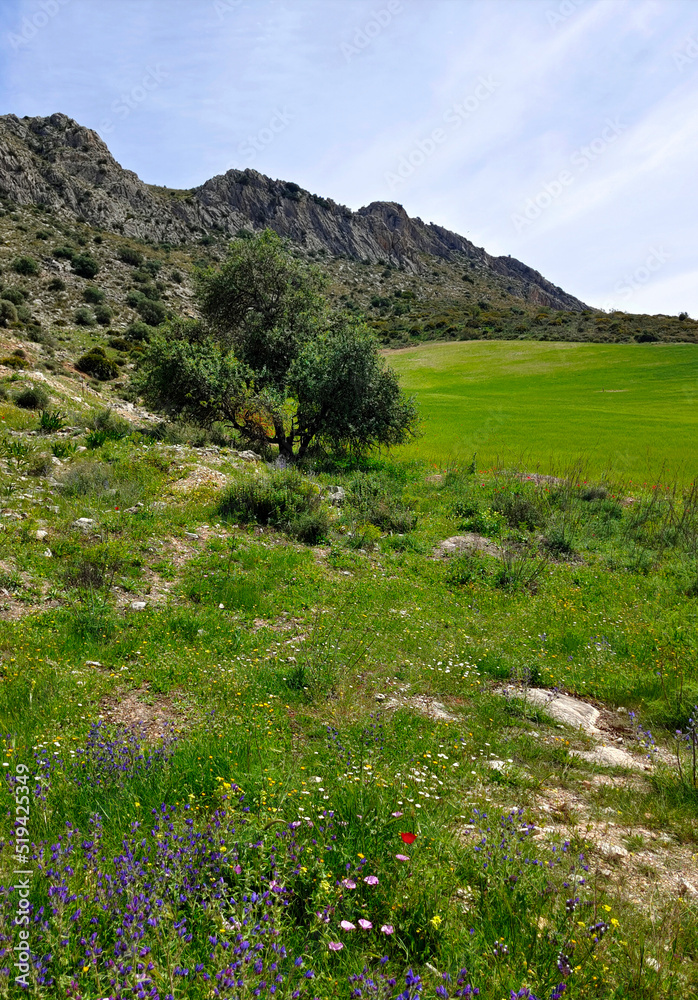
{"x":374,"y":499}
{"x":286,"y":500}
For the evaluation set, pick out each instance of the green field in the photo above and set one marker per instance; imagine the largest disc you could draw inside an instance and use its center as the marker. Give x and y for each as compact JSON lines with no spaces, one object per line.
{"x":627,"y":409}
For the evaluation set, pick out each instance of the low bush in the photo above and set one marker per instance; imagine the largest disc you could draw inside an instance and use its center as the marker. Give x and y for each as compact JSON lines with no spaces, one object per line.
{"x":32,"y":397}
{"x":286,"y":500}
{"x":26,"y":266}
{"x":128,"y":255}
{"x":84,"y":265}
{"x":375,"y":499}
{"x":13,"y":361}
{"x":103,"y":315}
{"x":8,"y":312}
{"x":96,"y":363}
{"x":18,"y":296}
{"x":56,"y":285}
{"x":84,"y":317}
{"x":119,"y":344}
{"x":93,"y":295}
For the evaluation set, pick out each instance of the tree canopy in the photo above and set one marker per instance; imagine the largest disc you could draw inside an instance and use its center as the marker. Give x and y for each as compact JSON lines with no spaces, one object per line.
{"x":271,"y":359}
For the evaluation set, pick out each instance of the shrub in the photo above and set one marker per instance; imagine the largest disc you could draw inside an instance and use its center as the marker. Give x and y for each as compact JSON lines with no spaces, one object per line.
{"x":84,"y":265}
{"x":128,"y":255}
{"x":118,"y":344}
{"x":16,"y":295}
{"x":13,"y":361}
{"x":521,"y":506}
{"x":64,"y":253}
{"x":464,"y":569}
{"x":373,"y":499}
{"x":32,"y":397}
{"x":26,"y":266}
{"x":8,"y":312}
{"x":103,"y":315}
{"x":84,"y":317}
{"x":106,"y":420}
{"x":96,"y":363}
{"x":483,"y":521}
{"x":284,"y":500}
{"x":93,"y":295}
{"x":151,"y":312}
{"x":139,"y":332}
{"x":56,"y":285}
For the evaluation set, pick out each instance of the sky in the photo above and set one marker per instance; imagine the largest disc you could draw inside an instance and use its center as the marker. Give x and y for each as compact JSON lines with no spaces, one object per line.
{"x":562,"y":132}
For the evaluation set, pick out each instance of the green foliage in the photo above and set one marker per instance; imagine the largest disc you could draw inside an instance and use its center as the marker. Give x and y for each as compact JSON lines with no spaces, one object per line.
{"x":15,"y":295}
{"x":129,"y":255}
{"x":51,"y":421}
{"x":84,"y":316}
{"x":103,"y":315}
{"x":93,"y":295}
{"x":84,"y":265}
{"x":14,"y":361}
{"x":96,"y":363}
{"x":32,"y":397}
{"x":8,"y":312}
{"x":26,"y":266}
{"x":375,"y":499}
{"x":151,"y":312}
{"x":56,"y":285}
{"x":119,"y":344}
{"x":276,"y":365}
{"x":286,"y":500}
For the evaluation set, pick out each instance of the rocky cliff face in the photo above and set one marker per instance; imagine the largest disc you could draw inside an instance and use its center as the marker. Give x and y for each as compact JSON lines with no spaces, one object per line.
{"x":59,"y":163}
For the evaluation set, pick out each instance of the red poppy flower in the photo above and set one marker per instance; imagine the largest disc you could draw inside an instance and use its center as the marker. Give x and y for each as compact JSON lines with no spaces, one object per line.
{"x":409,"y":838}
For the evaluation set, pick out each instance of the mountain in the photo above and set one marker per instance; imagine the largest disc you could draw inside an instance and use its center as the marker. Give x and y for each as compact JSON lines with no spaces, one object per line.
{"x":57,"y":164}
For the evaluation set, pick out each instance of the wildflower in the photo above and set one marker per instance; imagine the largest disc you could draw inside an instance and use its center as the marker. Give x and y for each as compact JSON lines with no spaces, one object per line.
{"x":371,"y":880}
{"x":397,"y":815}
{"x":402,"y":857}
{"x":436,"y":921}
{"x":408,"y":838}
{"x":347,"y":926}
{"x":365,"y":925}
{"x":387,"y":929}
{"x":349,"y":883}
{"x":335,"y":945}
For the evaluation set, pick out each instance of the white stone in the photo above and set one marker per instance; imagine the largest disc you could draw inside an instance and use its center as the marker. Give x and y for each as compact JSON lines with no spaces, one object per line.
{"x":41,"y":534}
{"x":84,"y":523}
{"x":138,"y":605}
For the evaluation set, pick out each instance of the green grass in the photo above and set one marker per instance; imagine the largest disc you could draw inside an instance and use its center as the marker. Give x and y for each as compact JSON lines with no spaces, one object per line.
{"x":627,"y":409}
{"x":266,"y":655}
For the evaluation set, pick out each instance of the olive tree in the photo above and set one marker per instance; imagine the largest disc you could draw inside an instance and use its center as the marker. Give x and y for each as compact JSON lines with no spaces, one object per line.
{"x":269,"y":358}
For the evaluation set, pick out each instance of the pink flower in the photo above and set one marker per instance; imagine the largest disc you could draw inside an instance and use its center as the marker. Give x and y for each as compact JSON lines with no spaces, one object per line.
{"x":402,"y":857}
{"x":365,"y":925}
{"x":237,"y":869}
{"x":396,"y":815}
{"x":335,"y":945}
{"x":349,"y":883}
{"x":346,"y":926}
{"x":371,"y":880}
{"x":388,"y":929}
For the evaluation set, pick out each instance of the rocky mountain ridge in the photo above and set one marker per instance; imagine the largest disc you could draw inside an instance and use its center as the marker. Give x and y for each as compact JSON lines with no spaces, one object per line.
{"x":56,"y":162}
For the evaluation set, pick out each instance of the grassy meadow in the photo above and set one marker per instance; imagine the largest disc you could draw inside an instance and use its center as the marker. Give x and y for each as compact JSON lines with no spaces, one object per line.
{"x":253,"y":739}
{"x":628,"y":410}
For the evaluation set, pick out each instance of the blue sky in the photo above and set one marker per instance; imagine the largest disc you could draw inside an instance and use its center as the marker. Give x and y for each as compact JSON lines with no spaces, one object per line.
{"x":562,"y":132}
